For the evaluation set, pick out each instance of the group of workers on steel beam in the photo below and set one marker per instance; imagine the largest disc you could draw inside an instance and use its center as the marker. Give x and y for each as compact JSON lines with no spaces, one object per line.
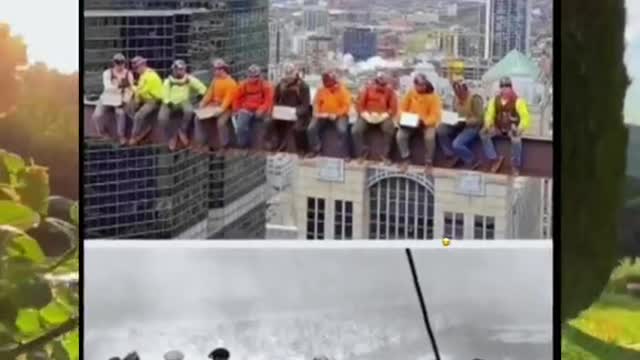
{"x":255,"y":100}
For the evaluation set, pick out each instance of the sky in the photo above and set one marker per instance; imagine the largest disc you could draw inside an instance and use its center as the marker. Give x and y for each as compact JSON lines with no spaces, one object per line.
{"x":632,"y":58}
{"x":50,"y":29}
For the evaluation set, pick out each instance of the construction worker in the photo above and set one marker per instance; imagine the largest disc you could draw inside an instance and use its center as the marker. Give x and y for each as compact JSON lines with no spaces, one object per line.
{"x":179,"y":90}
{"x":507,"y":114}
{"x":253,"y":103}
{"x":331,"y":106}
{"x":377,"y":106}
{"x":423,"y":101}
{"x":147,"y":99}
{"x":292,"y":91}
{"x":118,"y":85}
{"x":220,"y":95}
{"x":469,"y":107}
{"x":220,"y":354}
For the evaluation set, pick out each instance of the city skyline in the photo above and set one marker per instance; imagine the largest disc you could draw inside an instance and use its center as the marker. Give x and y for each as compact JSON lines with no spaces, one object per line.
{"x":39,"y":22}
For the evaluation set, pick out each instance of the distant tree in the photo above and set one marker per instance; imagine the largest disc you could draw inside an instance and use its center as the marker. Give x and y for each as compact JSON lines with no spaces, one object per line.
{"x":594,"y":141}
{"x":14,"y":55}
{"x":39,"y":113}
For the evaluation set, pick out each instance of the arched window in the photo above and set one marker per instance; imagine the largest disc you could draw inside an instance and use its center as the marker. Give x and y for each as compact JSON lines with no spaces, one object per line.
{"x":400,"y":208}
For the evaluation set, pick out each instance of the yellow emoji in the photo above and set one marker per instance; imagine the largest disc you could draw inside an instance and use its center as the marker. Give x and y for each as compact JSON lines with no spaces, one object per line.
{"x":446,"y":242}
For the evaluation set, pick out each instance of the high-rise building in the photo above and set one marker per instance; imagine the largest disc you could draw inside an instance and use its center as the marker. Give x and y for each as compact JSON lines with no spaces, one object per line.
{"x":248,"y":30}
{"x":146,"y":191}
{"x":165,"y":30}
{"x":509,"y":27}
{"x":316,"y":19}
{"x":472,"y":18}
{"x":360,"y":42}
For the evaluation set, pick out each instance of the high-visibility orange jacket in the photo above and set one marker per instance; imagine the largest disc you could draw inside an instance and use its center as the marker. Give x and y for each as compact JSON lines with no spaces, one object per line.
{"x":375,"y":100}
{"x":255,"y":96}
{"x":427,"y":106}
{"x":334,"y":101}
{"x":221,"y":93}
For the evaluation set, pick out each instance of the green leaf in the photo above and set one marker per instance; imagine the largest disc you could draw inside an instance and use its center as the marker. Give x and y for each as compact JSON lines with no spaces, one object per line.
{"x":8,"y":311}
{"x":55,"y":313}
{"x":8,"y":193}
{"x":33,"y":188}
{"x":25,"y":246}
{"x":58,"y":351}
{"x":18,"y":215}
{"x":75,"y":213}
{"x":38,"y":354}
{"x":28,"y":322}
{"x":5,"y":176}
{"x":13,"y":162}
{"x":71,"y":343}
{"x":66,"y":297}
{"x":19,"y":268}
{"x":33,"y":293}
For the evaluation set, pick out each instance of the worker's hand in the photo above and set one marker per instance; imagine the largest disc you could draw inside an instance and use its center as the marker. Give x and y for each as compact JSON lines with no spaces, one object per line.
{"x":366,"y":115}
{"x":333,"y":116}
{"x":385,"y":115}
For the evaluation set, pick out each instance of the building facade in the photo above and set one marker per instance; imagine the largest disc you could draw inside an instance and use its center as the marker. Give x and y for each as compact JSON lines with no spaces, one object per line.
{"x":509,"y":27}
{"x":334,"y":201}
{"x":360,"y":42}
{"x":316,"y":19}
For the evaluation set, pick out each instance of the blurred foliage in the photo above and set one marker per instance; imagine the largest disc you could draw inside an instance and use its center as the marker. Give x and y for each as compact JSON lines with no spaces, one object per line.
{"x":628,"y":271}
{"x":45,"y":121}
{"x":594,"y":148}
{"x":38,"y":290}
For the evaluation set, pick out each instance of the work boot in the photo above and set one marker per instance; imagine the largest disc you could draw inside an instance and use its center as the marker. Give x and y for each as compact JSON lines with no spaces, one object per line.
{"x":313,"y":153}
{"x":404,"y":165}
{"x":184,"y":139}
{"x":135,"y":140}
{"x":495,"y":166}
{"x":451,"y":162}
{"x":269,"y":146}
{"x":173,"y":143}
{"x":428,"y":168}
{"x":364,"y":155}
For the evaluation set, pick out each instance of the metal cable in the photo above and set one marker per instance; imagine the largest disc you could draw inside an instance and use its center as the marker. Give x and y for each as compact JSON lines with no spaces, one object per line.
{"x":423,"y":306}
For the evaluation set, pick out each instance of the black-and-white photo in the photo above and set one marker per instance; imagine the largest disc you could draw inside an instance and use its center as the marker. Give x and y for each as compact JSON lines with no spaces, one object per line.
{"x":178,"y":302}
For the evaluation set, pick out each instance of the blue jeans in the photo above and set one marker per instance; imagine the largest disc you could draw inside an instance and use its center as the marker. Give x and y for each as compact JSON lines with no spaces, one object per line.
{"x":245,"y":124}
{"x":460,"y":145}
{"x":317,"y":127}
{"x":490,"y":149}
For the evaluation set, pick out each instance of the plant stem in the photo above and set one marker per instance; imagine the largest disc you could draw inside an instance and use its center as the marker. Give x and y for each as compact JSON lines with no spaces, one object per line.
{"x":62,"y":259}
{"x":66,"y":327}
